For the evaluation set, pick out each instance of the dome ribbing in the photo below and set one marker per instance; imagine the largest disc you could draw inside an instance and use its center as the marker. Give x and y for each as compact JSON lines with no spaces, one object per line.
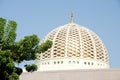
{"x":74,"y":47}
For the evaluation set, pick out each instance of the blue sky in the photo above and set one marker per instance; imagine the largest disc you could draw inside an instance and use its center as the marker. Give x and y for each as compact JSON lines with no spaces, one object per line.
{"x":41,"y":16}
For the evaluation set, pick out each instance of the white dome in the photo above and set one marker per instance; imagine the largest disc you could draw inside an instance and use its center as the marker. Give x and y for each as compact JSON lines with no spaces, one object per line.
{"x":74,"y":47}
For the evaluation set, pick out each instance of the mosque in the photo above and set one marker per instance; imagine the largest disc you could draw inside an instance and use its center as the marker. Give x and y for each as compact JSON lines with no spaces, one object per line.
{"x":77,"y":53}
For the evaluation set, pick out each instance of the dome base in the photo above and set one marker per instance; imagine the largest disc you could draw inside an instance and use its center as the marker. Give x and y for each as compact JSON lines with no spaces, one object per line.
{"x":70,"y":64}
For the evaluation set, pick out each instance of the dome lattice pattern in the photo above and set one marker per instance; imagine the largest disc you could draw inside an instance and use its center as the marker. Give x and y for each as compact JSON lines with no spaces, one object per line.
{"x":74,"y":43}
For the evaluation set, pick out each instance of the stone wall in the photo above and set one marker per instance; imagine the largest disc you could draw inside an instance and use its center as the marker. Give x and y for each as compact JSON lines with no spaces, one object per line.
{"x":95,"y":74}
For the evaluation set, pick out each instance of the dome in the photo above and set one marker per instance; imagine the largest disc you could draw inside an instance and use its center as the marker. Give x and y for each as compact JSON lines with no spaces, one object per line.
{"x":74,"y":47}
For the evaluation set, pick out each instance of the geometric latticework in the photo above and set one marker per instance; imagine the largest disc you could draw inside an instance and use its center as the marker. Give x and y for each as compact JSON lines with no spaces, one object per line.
{"x":73,"y":40}
{"x":73,"y":43}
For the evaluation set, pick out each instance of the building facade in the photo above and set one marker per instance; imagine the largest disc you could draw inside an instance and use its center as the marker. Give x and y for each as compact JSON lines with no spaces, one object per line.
{"x":74,"y":47}
{"x":77,"y":53}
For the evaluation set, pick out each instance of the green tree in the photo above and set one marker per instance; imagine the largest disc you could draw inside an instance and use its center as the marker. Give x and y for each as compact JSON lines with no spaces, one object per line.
{"x":12,"y":52}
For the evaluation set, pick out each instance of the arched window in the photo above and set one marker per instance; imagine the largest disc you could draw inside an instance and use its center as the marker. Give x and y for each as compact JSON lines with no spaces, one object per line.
{"x":54,"y":62}
{"x":61,"y":62}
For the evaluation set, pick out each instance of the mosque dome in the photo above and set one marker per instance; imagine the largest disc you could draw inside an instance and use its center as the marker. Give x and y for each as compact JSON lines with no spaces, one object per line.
{"x":74,"y":47}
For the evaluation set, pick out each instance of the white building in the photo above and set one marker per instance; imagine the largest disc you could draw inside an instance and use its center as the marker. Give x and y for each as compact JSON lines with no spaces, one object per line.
{"x":75,"y":48}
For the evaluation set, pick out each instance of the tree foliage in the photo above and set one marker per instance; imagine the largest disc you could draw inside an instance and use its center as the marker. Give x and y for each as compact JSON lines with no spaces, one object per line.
{"x":31,"y":68}
{"x":44,"y":46}
{"x":12,"y":52}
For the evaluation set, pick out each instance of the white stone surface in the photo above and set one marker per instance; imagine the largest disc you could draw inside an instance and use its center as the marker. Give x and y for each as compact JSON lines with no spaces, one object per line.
{"x":74,"y":47}
{"x":93,"y":74}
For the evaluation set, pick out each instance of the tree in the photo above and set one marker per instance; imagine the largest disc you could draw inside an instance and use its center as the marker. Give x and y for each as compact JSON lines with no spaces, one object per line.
{"x":12,"y":52}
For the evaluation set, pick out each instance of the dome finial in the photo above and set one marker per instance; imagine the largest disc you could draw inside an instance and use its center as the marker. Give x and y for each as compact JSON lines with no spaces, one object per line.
{"x":72,"y":18}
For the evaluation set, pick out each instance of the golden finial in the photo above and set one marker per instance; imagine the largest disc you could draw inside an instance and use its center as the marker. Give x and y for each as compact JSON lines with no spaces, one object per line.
{"x":72,"y":18}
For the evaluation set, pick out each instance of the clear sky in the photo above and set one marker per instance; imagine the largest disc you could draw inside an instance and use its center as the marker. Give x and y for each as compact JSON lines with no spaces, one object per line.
{"x":41,"y":16}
